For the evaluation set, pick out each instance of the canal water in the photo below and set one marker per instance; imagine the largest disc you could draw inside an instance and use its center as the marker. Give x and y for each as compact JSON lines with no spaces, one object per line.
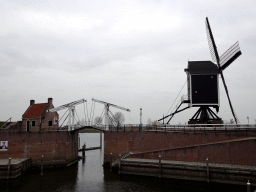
{"x":90,"y":175}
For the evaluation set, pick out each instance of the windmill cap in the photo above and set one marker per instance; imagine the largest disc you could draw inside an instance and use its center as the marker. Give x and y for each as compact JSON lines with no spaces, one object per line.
{"x":202,"y":67}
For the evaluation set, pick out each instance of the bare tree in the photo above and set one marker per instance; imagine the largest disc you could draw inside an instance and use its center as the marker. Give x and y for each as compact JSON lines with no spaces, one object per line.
{"x":149,"y":121}
{"x":119,"y":117}
{"x":155,"y":124}
{"x":83,"y":123}
{"x":232,"y":121}
{"x":98,"y":120}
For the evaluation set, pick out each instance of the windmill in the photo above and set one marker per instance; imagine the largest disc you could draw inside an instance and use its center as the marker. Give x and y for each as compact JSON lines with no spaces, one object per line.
{"x":203,"y":83}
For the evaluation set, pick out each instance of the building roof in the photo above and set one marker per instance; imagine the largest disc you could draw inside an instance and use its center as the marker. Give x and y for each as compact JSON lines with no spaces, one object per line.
{"x":202,"y":67}
{"x":35,"y":110}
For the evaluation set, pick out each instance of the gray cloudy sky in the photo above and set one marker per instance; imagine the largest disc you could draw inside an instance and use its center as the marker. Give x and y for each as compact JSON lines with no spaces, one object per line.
{"x":129,"y":53}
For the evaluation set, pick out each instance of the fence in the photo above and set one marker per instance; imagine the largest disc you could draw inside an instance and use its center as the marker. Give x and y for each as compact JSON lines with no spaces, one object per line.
{"x":184,"y":128}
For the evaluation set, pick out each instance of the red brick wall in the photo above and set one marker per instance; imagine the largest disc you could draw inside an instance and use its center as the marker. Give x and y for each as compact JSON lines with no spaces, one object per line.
{"x":237,"y":152}
{"x":56,"y":147}
{"x":122,"y":142}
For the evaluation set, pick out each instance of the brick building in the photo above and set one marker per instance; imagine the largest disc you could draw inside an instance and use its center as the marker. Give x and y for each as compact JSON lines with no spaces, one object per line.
{"x":37,"y":118}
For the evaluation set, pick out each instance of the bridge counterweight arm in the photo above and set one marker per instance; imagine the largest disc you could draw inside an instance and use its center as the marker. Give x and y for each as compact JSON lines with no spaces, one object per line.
{"x":67,"y":105}
{"x":112,"y":105}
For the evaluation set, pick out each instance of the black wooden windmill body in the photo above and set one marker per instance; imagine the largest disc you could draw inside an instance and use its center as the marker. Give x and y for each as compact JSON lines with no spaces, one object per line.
{"x":203,"y":83}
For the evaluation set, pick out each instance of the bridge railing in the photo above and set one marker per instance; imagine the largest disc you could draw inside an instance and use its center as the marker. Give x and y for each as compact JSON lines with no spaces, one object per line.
{"x":187,"y":127}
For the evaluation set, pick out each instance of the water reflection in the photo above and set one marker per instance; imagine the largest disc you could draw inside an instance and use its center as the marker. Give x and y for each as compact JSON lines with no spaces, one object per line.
{"x":52,"y":180}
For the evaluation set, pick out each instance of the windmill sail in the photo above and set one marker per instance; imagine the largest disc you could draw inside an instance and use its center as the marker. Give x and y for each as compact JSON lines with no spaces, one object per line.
{"x":230,"y":55}
{"x":212,"y":46}
{"x":215,"y":57}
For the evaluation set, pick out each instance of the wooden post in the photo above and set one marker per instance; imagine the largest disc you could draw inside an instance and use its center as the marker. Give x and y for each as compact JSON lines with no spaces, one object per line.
{"x":9,"y":168}
{"x":160,"y":168}
{"x":110,"y":162}
{"x":42,"y":165}
{"x":100,"y":140}
{"x":78,"y":141}
{"x":207,"y":170}
{"x":124,"y":128}
{"x":248,"y":186}
{"x":119,"y":171}
{"x":83,"y":151}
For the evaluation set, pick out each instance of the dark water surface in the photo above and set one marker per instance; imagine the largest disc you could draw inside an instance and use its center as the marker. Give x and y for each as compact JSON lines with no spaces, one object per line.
{"x":89,"y":175}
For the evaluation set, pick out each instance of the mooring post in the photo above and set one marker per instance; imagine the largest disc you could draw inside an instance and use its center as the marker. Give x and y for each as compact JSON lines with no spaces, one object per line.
{"x":83,"y":151}
{"x":42,"y":165}
{"x":119,"y":171}
{"x":100,"y":140}
{"x":78,"y":142}
{"x":9,"y":168}
{"x":248,"y":186}
{"x":110,"y":162}
{"x":207,"y":170}
{"x":160,"y":167}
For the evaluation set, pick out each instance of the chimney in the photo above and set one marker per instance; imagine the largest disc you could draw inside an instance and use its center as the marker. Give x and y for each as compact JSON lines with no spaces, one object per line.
{"x":49,"y":101}
{"x":32,"y":102}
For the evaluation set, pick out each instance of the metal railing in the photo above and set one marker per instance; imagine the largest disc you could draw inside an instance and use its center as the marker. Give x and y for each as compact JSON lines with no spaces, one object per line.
{"x":184,"y":128}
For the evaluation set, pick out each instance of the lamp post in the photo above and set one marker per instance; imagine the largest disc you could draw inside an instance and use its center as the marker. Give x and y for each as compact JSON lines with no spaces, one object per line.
{"x":248,"y":120}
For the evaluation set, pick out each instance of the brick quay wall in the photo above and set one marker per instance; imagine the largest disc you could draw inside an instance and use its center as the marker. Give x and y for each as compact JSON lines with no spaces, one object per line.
{"x":151,"y":144}
{"x":59,"y":148}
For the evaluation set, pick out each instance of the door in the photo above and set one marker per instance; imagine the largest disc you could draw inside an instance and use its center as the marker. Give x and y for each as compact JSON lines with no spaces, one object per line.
{"x":28,"y":125}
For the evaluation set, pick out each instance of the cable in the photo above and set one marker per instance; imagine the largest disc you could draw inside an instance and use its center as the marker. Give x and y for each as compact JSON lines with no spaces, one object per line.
{"x":93,"y":111}
{"x":177,"y":97}
{"x":101,"y":117}
{"x":64,"y":120}
{"x":63,"y":115}
{"x":78,"y":117}
{"x":85,"y":116}
{"x":59,"y":120}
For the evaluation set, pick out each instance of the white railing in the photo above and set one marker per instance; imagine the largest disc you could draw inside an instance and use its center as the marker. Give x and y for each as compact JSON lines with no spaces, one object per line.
{"x":184,"y":127}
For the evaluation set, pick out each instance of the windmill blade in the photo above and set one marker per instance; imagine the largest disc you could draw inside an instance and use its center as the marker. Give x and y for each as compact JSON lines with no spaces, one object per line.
{"x":211,"y":42}
{"x":230,"y":104}
{"x":230,"y":55}
{"x":215,"y":57}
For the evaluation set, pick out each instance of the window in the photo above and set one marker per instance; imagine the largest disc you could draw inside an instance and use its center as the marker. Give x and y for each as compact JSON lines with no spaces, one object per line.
{"x":33,"y":123}
{"x":49,"y":123}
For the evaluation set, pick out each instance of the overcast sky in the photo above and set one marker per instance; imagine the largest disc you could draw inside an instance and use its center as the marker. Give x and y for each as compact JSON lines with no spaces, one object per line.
{"x":129,"y":53}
